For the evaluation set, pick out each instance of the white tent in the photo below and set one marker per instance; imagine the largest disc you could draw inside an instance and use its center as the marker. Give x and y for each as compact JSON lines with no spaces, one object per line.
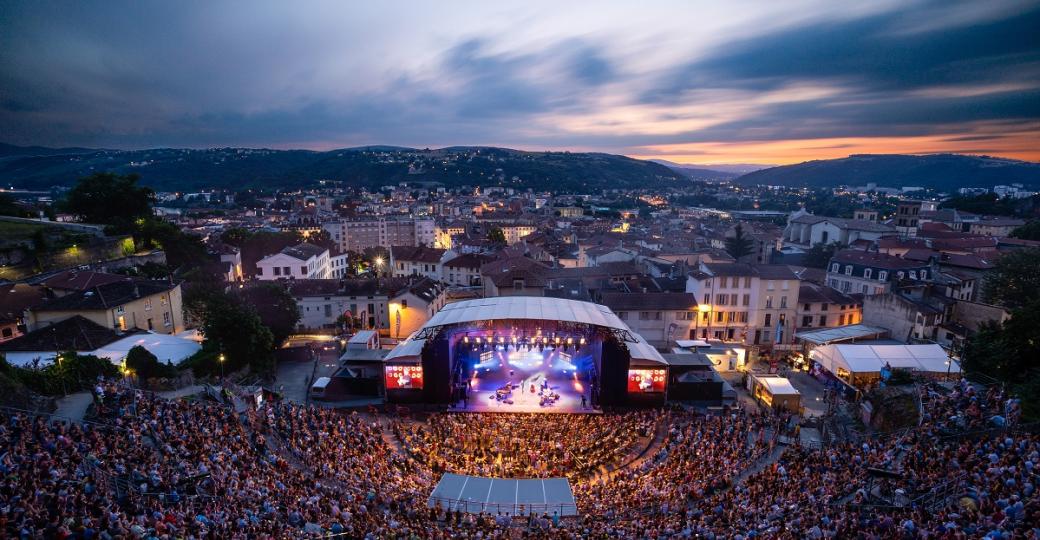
{"x":164,"y":347}
{"x":929,"y":358}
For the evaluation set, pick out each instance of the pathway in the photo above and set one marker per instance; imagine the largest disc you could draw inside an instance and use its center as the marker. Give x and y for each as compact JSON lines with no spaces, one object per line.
{"x":73,"y":406}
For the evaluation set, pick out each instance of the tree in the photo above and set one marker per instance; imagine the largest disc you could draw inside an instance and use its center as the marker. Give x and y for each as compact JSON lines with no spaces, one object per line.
{"x":110,"y":199}
{"x":820,"y":255}
{"x":1010,"y":352}
{"x":1015,"y":282}
{"x":235,"y":330}
{"x":496,"y":236}
{"x":10,"y":207}
{"x":275,"y":306}
{"x":1029,"y":231}
{"x":146,"y":365}
{"x":739,"y":245}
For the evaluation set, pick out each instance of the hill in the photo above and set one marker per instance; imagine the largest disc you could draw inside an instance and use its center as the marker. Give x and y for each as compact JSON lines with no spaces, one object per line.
{"x":946,"y":172}
{"x":696,"y":173}
{"x":167,"y":169}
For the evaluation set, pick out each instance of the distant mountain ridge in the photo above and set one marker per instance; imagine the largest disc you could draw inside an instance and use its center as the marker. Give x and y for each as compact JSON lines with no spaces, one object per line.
{"x":727,"y":169}
{"x":947,"y":172}
{"x":170,"y":169}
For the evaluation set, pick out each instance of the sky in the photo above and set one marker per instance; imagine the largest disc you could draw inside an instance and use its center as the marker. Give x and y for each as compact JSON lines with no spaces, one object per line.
{"x":690,"y":82}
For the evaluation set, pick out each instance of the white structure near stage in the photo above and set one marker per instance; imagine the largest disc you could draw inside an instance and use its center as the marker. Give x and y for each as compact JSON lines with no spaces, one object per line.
{"x":166,"y":348}
{"x":863,"y":363}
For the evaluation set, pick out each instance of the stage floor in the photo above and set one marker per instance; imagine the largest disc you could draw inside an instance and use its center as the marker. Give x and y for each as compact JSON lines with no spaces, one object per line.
{"x":527,"y":370}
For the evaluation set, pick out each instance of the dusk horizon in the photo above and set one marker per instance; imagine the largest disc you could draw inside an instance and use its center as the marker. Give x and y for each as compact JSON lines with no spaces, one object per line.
{"x":689,"y":83}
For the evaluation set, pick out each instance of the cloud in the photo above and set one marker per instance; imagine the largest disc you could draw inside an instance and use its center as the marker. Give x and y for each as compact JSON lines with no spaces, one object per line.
{"x":524,"y":76}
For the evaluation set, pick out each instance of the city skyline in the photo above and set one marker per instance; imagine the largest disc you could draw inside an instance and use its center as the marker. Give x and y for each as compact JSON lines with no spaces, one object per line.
{"x":703,"y":83}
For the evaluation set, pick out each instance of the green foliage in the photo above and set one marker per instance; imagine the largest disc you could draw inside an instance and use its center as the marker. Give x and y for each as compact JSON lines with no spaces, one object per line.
{"x":1015,"y":282}
{"x":1029,"y":231}
{"x":740,"y":244}
{"x":275,"y":306}
{"x":146,"y":366}
{"x":1011,"y":353}
{"x":182,"y":250}
{"x":110,"y":199}
{"x":150,"y":270}
{"x":496,"y":236}
{"x":233,"y":328}
{"x":10,"y":207}
{"x":985,"y":203}
{"x":820,"y":254}
{"x":70,"y":373}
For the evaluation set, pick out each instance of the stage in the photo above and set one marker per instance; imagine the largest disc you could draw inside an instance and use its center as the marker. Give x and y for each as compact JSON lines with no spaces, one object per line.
{"x":527,"y":381}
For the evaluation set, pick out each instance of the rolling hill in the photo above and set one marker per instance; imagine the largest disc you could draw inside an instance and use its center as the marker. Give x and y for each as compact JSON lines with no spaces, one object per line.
{"x":946,"y":172}
{"x":167,"y":169}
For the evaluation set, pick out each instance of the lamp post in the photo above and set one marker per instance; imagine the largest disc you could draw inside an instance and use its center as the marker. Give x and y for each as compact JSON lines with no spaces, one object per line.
{"x":221,"y":359}
{"x":61,"y":375}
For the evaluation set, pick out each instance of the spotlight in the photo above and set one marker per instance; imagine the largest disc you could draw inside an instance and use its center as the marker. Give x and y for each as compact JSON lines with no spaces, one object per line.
{"x":582,"y":340}
{"x":465,"y":339}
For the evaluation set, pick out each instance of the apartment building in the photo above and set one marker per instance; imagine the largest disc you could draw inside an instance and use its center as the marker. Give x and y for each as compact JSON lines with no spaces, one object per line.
{"x":395,"y":307}
{"x":824,"y":307}
{"x":870,"y":272}
{"x":302,"y":261}
{"x":807,"y":230}
{"x":146,"y":304}
{"x":660,"y":317}
{"x":753,"y":305}
{"x":416,"y":261}
{"x":361,"y":234}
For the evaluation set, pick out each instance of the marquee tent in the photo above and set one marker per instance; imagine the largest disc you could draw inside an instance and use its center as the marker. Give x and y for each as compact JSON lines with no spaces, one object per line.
{"x":510,"y":496}
{"x":847,"y":361}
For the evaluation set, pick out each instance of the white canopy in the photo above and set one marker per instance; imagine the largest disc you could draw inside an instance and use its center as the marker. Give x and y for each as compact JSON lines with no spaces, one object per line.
{"x":525,"y":307}
{"x":164,"y":347}
{"x":840,"y":333}
{"x":872,"y":358}
{"x":779,"y":386}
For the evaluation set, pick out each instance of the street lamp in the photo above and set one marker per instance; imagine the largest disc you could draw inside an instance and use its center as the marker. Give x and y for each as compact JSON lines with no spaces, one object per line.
{"x":221,"y":360}
{"x":61,"y":375}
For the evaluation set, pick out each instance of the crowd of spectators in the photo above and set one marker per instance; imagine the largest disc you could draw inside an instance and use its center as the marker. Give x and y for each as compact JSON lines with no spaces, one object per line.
{"x":154,"y":468}
{"x":524,"y":445}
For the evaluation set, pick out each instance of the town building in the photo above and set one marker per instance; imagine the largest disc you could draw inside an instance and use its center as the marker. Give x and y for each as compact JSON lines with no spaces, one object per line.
{"x":417,"y":261}
{"x":146,"y":304}
{"x":824,"y":307}
{"x":393,"y":306}
{"x":360,"y":234}
{"x":750,"y":304}
{"x":807,"y":230}
{"x":870,"y":272}
{"x":302,"y":261}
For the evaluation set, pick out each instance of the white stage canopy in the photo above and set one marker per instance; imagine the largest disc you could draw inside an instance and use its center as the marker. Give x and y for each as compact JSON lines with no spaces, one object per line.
{"x":529,"y":308}
{"x":510,"y":496}
{"x":930,"y":358}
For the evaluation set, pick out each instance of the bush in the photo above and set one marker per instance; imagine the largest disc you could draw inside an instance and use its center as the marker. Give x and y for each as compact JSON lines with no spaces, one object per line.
{"x":146,"y":366}
{"x":72,"y":372}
